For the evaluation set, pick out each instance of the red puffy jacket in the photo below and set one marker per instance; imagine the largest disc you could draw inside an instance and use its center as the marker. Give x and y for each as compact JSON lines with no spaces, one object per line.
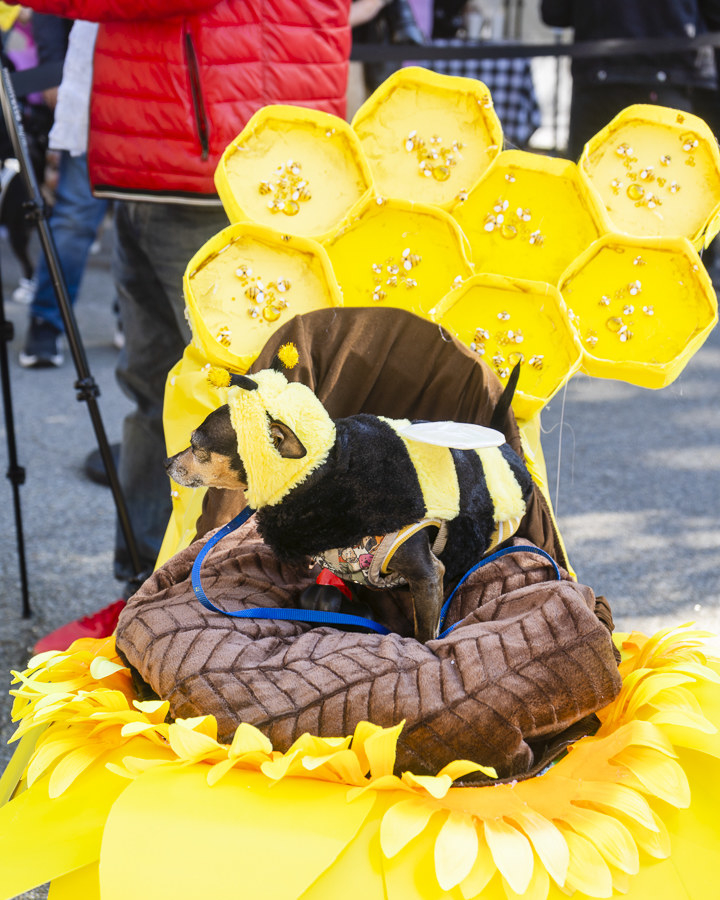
{"x":175,"y":81}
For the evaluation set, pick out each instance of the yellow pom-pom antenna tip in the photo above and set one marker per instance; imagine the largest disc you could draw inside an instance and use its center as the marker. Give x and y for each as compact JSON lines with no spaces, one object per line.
{"x":288,"y":355}
{"x":218,"y":377}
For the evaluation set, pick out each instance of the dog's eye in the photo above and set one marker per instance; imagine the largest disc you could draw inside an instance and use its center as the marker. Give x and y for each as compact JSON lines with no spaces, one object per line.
{"x":200,"y":454}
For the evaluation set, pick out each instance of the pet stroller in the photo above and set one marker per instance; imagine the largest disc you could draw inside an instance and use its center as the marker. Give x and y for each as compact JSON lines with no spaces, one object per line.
{"x":512,"y":757}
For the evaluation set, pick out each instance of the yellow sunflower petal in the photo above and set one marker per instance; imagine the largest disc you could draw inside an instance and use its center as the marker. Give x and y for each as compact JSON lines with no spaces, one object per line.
{"x":548,"y":842}
{"x":44,"y":687}
{"x":684,"y":719}
{"x":311,"y":745}
{"x":617,"y":797}
{"x":435,"y":785}
{"x":538,"y":888}
{"x":455,"y":850}
{"x":621,"y":880}
{"x":133,"y":766}
{"x":101,"y":667}
{"x":248,"y":739}
{"x":42,"y":659}
{"x":343,"y":764}
{"x":480,"y":875}
{"x":189,"y":744}
{"x":512,"y":853}
{"x":147,"y":728}
{"x":49,"y":750}
{"x":657,"y":775}
{"x":363,"y":731}
{"x":655,"y":843}
{"x":461,"y":767}
{"x":384,"y":783}
{"x":276,"y":769}
{"x":642,"y":688}
{"x":380,"y":750}
{"x":402,"y":823}
{"x":609,"y":836}
{"x":206,"y":725}
{"x":217,"y":771}
{"x":72,"y":766}
{"x":700,"y":671}
{"x":588,"y":872}
{"x":156,"y":710}
{"x":113,"y":701}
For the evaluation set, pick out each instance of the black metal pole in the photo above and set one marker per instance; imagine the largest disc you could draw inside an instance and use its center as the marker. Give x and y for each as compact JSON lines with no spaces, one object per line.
{"x":87,"y":389}
{"x":15,"y":472}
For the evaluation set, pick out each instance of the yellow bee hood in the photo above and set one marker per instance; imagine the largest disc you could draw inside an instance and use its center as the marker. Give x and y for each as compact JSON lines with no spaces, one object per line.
{"x":270,"y":476}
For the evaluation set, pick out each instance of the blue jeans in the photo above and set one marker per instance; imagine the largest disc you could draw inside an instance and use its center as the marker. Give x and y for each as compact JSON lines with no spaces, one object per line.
{"x":74,"y":223}
{"x":154,"y":243}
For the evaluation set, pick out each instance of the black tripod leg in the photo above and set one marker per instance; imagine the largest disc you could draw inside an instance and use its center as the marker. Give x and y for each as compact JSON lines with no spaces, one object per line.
{"x":15,"y":472}
{"x":85,"y":385}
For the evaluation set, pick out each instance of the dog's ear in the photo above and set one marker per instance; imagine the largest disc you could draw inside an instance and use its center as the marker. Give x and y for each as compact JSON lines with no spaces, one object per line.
{"x":286,"y":441}
{"x":244,"y":382}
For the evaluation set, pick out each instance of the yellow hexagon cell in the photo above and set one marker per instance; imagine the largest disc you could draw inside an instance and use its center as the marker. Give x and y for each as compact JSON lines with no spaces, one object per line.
{"x":507,"y":321}
{"x":657,"y":171}
{"x":245,"y":282}
{"x":399,"y":254}
{"x":298,"y":170}
{"x":529,"y":217}
{"x":642,"y":307}
{"x":428,"y":137}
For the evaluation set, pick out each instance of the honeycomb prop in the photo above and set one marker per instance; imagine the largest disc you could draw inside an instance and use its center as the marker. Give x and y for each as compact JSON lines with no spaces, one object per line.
{"x":507,"y":321}
{"x":245,"y":282}
{"x":416,"y":200}
{"x":657,"y":172}
{"x":517,"y":216}
{"x":428,"y":137}
{"x":299,"y":171}
{"x":401,"y":254}
{"x":654,"y":292}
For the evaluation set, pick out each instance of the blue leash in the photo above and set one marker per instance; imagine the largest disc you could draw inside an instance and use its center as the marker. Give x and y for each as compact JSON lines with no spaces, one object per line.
{"x":293,"y":615}
{"x":520,"y":548}
{"x":328,"y":618}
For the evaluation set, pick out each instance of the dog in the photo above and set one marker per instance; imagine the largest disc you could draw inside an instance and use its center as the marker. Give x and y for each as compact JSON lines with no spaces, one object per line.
{"x":354,"y":494}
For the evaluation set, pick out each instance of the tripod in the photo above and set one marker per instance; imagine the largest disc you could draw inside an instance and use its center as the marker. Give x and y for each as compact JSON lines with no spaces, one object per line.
{"x":85,"y":385}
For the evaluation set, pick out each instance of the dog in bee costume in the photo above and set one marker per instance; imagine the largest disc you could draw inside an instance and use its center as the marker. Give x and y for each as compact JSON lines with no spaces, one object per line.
{"x":356,"y":494}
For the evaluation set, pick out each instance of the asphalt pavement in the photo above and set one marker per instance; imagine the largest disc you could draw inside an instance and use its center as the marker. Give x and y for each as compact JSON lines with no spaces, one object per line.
{"x":634,"y":477}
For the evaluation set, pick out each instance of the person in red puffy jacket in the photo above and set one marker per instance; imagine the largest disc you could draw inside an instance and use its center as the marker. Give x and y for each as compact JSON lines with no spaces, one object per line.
{"x":174,"y":81}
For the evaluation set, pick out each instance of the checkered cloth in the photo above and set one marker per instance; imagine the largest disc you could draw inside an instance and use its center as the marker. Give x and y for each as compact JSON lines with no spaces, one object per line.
{"x":510,"y":82}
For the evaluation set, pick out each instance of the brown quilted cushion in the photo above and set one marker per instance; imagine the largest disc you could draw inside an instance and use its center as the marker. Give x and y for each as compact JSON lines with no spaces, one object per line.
{"x":529,"y":660}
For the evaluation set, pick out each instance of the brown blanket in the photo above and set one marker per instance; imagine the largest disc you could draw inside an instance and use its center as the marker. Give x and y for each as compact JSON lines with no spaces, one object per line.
{"x":529,"y":660}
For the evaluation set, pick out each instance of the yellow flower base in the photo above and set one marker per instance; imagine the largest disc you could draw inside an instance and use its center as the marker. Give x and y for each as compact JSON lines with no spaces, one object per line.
{"x":116,"y":802}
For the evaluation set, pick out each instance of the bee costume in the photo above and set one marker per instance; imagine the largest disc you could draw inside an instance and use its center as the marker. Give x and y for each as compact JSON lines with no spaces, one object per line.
{"x":362,"y":488}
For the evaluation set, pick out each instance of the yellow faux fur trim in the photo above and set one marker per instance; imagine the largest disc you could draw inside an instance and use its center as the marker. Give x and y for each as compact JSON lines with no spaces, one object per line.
{"x":504,"y":488}
{"x":270,"y":476}
{"x":436,"y":473}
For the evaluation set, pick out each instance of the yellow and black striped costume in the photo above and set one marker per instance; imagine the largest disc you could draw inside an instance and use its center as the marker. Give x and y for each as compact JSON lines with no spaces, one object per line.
{"x":361,"y":477}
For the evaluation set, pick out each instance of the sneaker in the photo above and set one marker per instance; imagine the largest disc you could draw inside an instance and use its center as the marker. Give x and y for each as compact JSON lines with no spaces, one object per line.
{"x":118,"y":337}
{"x":25,"y":291}
{"x":98,"y":625}
{"x":42,"y":346}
